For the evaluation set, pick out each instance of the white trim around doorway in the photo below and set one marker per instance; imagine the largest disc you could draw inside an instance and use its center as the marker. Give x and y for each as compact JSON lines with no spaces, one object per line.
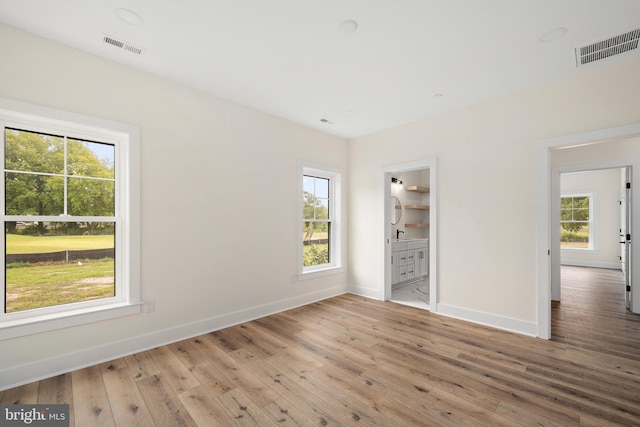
{"x":385,"y":179}
{"x":546,"y":250}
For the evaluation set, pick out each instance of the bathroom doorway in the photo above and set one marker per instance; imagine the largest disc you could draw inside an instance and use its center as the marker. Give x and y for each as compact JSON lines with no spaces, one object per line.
{"x":410,"y":234}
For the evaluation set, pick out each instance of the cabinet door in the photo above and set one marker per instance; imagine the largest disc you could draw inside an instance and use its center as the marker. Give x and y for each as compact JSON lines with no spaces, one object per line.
{"x":402,"y":273}
{"x":410,"y":270}
{"x":394,"y":267}
{"x":422,"y":265}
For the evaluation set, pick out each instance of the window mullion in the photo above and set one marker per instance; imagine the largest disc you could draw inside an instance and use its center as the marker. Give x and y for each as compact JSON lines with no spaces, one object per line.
{"x":64,"y":174}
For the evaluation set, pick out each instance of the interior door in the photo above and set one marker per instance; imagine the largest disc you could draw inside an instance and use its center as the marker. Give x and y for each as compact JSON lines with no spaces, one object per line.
{"x":625,"y":235}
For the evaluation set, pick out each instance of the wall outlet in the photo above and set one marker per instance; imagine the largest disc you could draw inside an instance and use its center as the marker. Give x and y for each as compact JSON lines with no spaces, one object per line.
{"x":149,"y":306}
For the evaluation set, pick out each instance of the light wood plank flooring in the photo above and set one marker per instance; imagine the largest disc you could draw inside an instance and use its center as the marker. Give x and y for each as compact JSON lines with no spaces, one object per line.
{"x":354,"y":361}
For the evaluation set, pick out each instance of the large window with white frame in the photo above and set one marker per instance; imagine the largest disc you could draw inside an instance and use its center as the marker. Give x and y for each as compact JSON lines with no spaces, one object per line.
{"x":576,"y":221}
{"x":320,"y":234}
{"x":67,"y":213}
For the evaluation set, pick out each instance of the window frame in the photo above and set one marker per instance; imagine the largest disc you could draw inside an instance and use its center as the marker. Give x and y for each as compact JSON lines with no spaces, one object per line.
{"x":18,"y":115}
{"x":334,"y":176}
{"x":590,"y":223}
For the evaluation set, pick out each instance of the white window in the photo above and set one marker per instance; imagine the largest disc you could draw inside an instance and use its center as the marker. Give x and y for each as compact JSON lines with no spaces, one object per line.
{"x":70,"y":214}
{"x":576,"y":221}
{"x":320,"y":228}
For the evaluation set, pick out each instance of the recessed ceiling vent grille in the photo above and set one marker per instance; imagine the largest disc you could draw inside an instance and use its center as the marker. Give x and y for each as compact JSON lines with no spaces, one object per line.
{"x":612,"y":46}
{"x":122,"y":44}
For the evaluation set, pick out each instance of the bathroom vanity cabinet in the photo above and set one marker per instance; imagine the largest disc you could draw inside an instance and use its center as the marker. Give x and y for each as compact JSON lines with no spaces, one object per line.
{"x":409,"y":260}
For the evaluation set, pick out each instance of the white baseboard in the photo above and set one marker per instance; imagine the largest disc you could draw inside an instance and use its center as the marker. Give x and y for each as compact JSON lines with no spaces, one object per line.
{"x":487,"y":319}
{"x":365,"y":292}
{"x":50,"y":367}
{"x":518,"y":326}
{"x":609,"y":265}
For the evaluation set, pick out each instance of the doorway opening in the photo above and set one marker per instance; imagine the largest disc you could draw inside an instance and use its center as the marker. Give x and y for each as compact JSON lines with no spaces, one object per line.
{"x":410,"y":234}
{"x":617,"y":147}
{"x":594,"y":230}
{"x":591,"y":213}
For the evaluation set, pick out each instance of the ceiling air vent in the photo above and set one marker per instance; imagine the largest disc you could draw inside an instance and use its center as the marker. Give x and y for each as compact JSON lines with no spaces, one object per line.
{"x":122,"y":44}
{"x":612,"y":46}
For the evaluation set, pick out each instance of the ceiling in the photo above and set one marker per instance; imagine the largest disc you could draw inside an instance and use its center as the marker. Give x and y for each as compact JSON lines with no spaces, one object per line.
{"x":298,"y":59}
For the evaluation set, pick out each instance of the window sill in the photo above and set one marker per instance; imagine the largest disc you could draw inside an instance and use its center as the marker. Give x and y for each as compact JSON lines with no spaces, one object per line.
{"x":320,"y":272}
{"x":36,"y":324}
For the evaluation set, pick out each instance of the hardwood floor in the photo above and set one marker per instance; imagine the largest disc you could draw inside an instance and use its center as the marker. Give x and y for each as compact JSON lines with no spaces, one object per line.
{"x":354,"y":361}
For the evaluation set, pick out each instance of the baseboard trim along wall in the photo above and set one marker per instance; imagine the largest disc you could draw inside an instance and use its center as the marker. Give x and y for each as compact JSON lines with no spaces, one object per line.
{"x":591,"y":264}
{"x":23,"y":374}
{"x":365,"y":292}
{"x":487,"y":319}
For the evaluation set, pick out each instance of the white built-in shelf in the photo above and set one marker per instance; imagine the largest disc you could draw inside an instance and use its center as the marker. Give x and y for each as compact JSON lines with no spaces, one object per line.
{"x":417,"y":188}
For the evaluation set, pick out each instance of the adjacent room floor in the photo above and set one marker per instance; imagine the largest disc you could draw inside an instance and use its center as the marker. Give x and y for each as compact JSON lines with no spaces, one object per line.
{"x":414,"y":294}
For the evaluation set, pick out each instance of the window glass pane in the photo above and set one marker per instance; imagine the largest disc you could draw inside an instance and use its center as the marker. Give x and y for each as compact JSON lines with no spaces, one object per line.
{"x":29,"y":194}
{"x":581,"y":215}
{"x":322,"y":188}
{"x":308,"y":184}
{"x":308,"y":210}
{"x":566,"y":215}
{"x":315,"y":243}
{"x":581,"y":202}
{"x":55,"y":263}
{"x":92,"y":159}
{"x":322,"y":208}
{"x":33,"y":152}
{"x":574,"y":235}
{"x":316,"y":197}
{"x":566,"y":203}
{"x":90,"y":197}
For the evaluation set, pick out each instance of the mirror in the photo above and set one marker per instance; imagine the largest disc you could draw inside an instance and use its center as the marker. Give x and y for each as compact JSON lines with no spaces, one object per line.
{"x":396,"y":210}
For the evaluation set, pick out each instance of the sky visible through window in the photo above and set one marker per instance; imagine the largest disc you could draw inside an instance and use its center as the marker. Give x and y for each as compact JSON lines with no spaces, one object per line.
{"x":104,"y":152}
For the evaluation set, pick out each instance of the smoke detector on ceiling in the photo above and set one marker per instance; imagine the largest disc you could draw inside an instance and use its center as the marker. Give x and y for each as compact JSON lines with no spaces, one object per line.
{"x":612,"y":46}
{"x":122,"y":44}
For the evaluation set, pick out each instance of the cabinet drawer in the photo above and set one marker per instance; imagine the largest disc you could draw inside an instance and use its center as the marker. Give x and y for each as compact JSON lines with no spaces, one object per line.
{"x":417,"y":244}
{"x":399,"y":246}
{"x":410,"y":257}
{"x":402,"y":257}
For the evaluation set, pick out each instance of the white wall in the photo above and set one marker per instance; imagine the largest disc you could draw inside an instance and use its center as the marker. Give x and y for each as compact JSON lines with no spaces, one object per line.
{"x":604,"y":187}
{"x":219,"y":203}
{"x":486,"y":189}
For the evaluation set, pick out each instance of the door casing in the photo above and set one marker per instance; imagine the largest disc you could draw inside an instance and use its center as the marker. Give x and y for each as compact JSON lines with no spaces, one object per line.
{"x":547,"y":248}
{"x":386,"y":173}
